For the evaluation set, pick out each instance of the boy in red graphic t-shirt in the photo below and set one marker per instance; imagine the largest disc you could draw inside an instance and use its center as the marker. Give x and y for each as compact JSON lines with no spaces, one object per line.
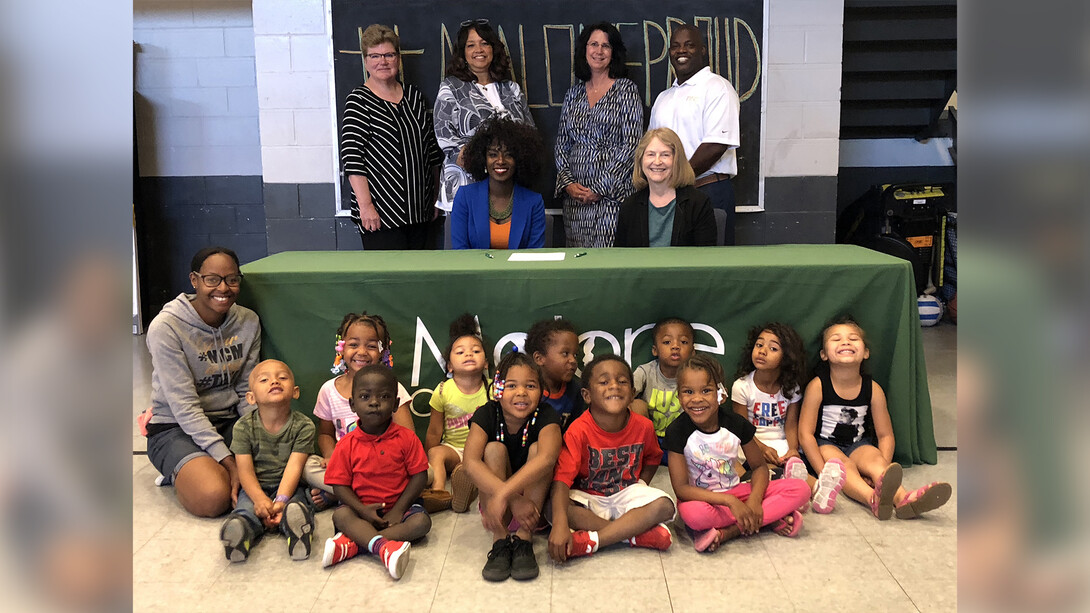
{"x":600,"y":487}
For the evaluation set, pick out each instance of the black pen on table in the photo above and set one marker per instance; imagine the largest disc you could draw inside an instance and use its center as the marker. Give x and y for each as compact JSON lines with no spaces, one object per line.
{"x":489,"y":255}
{"x":580,"y":254}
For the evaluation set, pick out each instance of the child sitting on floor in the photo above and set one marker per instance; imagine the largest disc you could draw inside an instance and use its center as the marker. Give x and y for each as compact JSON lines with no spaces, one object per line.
{"x":452,"y":405}
{"x":553,"y":344}
{"x":377,"y":471}
{"x":600,"y":487}
{"x":656,"y":381}
{"x":704,"y":444}
{"x":362,"y":340}
{"x":510,"y":455}
{"x":845,"y":421}
{"x":271,"y":445}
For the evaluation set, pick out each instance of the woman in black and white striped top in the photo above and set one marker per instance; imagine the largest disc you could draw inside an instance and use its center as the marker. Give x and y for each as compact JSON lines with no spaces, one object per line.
{"x":389,"y":152}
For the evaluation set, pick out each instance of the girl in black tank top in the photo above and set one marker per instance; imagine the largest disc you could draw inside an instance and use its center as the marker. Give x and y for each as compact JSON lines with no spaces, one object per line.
{"x":846,"y":432}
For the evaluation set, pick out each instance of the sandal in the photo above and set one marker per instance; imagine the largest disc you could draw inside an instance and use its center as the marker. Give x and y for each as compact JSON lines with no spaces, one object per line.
{"x":709,"y":540}
{"x":926,"y":498}
{"x":783,"y":527}
{"x":324,"y":501}
{"x":885,"y":487}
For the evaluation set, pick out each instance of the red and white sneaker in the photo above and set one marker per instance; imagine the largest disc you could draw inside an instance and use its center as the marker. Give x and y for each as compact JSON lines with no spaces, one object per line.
{"x":338,"y":548}
{"x":655,"y":538}
{"x":581,"y":545}
{"x":395,"y":555}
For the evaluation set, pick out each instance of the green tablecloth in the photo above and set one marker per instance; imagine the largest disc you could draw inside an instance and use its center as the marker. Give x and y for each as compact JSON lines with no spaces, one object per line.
{"x":614,"y":294}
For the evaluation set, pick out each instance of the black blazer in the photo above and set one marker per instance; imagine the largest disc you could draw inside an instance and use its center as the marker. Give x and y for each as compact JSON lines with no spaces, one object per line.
{"x":694,"y":222}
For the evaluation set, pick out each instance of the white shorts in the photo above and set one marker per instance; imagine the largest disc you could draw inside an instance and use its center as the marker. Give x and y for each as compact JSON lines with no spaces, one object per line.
{"x":780,"y":445}
{"x":611,"y":507}
{"x":460,"y":452}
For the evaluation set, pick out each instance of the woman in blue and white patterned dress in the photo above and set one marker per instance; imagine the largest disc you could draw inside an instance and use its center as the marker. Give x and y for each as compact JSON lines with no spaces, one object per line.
{"x":479,"y":84}
{"x":600,"y":125}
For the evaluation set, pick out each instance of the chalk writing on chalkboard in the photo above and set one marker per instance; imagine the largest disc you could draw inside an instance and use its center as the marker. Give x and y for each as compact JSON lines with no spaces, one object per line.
{"x":540,"y":38}
{"x":725,"y":58}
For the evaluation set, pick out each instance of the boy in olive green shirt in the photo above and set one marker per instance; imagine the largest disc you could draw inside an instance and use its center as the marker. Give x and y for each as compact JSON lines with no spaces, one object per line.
{"x":271,"y":446}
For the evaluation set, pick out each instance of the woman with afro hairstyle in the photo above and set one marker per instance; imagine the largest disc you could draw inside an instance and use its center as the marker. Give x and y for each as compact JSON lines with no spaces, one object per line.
{"x":499,"y":212}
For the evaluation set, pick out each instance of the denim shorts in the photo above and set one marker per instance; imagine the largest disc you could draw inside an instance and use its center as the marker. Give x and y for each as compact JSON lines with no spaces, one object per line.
{"x":414,"y":508}
{"x":171,"y":448}
{"x":848,"y":449}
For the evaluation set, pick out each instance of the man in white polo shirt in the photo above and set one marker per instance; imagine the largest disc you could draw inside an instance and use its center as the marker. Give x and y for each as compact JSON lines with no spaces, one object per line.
{"x":702,"y":107}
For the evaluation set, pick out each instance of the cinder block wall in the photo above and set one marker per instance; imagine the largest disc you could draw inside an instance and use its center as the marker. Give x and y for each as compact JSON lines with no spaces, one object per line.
{"x":197,"y":137}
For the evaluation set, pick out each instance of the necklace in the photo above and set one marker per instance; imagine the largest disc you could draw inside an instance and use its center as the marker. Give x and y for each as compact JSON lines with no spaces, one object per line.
{"x":500,"y":216}
{"x":598,"y":90}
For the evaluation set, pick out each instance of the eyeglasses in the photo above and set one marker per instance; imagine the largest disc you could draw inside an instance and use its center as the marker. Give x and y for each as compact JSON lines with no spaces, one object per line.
{"x":473,"y":22}
{"x":215,"y":280}
{"x":374,"y":57}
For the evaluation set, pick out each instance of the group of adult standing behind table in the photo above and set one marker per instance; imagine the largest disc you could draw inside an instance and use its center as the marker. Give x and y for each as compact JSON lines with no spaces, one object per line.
{"x":477,"y":158}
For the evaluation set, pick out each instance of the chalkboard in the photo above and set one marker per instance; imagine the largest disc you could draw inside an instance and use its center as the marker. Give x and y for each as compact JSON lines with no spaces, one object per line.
{"x":540,"y":37}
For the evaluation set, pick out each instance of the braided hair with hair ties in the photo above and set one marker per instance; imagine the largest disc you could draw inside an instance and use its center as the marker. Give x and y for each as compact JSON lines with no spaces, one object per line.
{"x":512,"y":359}
{"x":465,"y":325}
{"x":378,"y":324}
{"x":705,"y":363}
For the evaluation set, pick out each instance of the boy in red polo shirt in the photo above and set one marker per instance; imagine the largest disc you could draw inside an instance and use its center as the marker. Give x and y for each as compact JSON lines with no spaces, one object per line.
{"x":378,"y":471}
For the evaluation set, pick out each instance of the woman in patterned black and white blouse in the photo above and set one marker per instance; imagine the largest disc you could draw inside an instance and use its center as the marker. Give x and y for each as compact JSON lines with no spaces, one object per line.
{"x":600,"y":124}
{"x":389,"y":151}
{"x":479,"y":84}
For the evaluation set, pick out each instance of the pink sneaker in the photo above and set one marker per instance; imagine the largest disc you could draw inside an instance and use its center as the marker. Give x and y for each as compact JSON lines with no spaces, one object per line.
{"x":829,"y":483}
{"x":338,"y":548}
{"x":795,"y":469}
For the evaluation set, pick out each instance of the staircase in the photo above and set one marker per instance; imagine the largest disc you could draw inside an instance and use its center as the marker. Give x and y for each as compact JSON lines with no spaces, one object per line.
{"x":900,"y":68}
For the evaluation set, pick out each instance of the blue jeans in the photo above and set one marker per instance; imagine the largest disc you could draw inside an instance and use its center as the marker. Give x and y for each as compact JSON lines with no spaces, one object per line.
{"x":245,"y":508}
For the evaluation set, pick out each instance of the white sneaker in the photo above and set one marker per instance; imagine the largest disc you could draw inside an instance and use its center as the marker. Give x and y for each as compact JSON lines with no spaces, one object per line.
{"x":829,"y":483}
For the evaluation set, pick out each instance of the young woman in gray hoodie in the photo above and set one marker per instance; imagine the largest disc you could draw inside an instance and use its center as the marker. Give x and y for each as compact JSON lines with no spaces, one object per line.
{"x":203,"y":347}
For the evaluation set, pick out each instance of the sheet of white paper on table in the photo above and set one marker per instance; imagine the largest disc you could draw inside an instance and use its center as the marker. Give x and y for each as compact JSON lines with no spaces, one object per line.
{"x":537,"y":257}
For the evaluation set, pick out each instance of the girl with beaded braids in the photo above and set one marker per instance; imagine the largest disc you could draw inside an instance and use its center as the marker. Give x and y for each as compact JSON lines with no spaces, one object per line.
{"x":499,"y":211}
{"x":509,"y":455}
{"x":362,"y":339}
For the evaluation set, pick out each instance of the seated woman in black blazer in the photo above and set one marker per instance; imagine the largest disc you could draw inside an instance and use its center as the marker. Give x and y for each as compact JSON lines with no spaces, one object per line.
{"x":666,"y":209}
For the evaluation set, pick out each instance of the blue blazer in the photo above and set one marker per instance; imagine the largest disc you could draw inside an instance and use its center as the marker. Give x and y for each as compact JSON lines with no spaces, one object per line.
{"x":469,"y":227}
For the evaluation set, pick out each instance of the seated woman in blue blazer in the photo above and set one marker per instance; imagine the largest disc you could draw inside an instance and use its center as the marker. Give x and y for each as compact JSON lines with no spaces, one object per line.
{"x":497,"y":212}
{"x":666,"y":209}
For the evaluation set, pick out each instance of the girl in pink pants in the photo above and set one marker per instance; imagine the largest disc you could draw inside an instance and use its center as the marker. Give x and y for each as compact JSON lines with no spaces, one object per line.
{"x":704,"y":444}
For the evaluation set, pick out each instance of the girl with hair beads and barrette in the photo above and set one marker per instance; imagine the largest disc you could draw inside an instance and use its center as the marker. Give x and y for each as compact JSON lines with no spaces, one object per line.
{"x":452,"y":405}
{"x":704,"y":443}
{"x":845,"y":420}
{"x":767,"y":394}
{"x":510,"y":453}
{"x":362,"y":340}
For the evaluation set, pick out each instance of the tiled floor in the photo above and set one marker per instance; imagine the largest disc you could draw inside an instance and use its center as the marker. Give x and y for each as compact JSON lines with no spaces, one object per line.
{"x":845,"y":561}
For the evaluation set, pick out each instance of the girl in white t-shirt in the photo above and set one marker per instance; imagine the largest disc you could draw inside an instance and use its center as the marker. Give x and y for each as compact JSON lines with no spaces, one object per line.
{"x":362,"y":340}
{"x":766,"y":392}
